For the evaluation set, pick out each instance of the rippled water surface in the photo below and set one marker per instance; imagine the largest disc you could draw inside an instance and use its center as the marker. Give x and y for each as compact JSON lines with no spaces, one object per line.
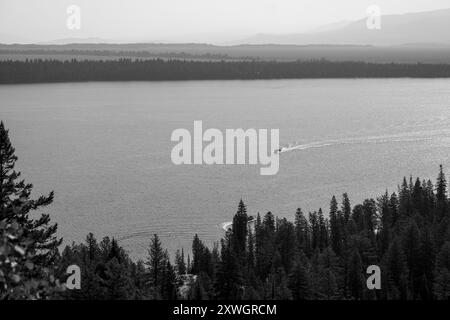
{"x":105,"y":149}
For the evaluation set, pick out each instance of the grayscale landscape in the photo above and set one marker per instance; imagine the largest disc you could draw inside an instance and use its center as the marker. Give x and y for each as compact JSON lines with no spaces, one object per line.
{"x":363,"y":116}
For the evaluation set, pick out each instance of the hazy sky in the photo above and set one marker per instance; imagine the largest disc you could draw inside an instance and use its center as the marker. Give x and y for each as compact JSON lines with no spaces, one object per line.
{"x":184,"y":20}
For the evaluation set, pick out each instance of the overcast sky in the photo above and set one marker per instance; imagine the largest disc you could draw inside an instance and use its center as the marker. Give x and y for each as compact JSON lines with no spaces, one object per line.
{"x":185,"y":20}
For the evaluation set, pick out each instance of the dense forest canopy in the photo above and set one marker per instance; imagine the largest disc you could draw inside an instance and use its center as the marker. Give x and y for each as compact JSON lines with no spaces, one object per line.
{"x":319,"y":255}
{"x":38,"y":70}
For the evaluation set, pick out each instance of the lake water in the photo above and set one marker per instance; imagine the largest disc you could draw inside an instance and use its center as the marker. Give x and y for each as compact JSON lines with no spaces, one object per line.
{"x":105,"y":149}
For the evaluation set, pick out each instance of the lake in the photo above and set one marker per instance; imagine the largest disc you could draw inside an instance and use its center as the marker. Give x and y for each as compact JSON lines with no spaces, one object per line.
{"x":104,"y":148}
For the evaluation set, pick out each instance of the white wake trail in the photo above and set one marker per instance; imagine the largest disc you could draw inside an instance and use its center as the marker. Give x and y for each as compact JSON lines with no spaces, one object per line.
{"x":395,"y":138}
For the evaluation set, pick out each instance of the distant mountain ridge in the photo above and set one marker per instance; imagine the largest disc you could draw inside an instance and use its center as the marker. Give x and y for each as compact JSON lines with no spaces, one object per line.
{"x":65,"y":41}
{"x":411,"y":28}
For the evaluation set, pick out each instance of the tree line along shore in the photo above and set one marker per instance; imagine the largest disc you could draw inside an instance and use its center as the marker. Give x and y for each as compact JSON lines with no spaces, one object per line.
{"x":52,"y":70}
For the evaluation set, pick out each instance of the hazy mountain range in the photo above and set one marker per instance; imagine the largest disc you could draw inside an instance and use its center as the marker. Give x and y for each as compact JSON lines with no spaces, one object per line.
{"x":430,"y":28}
{"x":412,"y":28}
{"x":407,"y":38}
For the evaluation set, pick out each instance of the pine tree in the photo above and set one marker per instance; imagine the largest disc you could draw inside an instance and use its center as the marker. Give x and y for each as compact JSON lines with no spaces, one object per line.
{"x":15,"y":204}
{"x":411,"y":249}
{"x":327,"y":271}
{"x":370,"y":219}
{"x":427,"y":264}
{"x":299,"y":283}
{"x":442,"y":277}
{"x":201,"y":257}
{"x":168,"y":283}
{"x":229,"y":280}
{"x":35,"y":237}
{"x":189,"y":265}
{"x":92,"y":246}
{"x":139,"y":276}
{"x":397,"y":271}
{"x":179,"y":262}
{"x":265,"y":244}
{"x":355,"y":277}
{"x":239,"y":230}
{"x":285,"y":243}
{"x":417,"y":195}
{"x":441,"y":194}
{"x":405,"y":204}
{"x":346,"y":207}
{"x":323,"y":230}
{"x":441,"y":187}
{"x":15,"y":265}
{"x":315,"y":230}
{"x":335,"y":227}
{"x":198,"y":291}
{"x":155,"y":263}
{"x":197,"y":255}
{"x":277,"y":287}
{"x":115,"y":251}
{"x":250,"y":251}
{"x":394,"y":208}
{"x":385,"y":223}
{"x":117,"y":281}
{"x":259,"y":246}
{"x":302,"y":233}
{"x":269,"y":224}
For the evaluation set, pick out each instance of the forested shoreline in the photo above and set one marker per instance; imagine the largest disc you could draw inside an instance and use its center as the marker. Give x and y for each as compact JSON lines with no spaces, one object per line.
{"x":52,"y":70}
{"x":318,"y":256}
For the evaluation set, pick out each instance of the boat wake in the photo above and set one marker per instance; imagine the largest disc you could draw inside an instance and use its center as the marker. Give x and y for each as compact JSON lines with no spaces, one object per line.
{"x":406,"y":137}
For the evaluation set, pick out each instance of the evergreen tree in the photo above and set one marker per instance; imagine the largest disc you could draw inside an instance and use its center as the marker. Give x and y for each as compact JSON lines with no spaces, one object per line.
{"x":405,"y":204}
{"x":188,"y":265}
{"x":323,"y":230}
{"x":327,"y":271}
{"x":299,"y":283}
{"x":355,"y":276}
{"x":117,"y":280}
{"x":197,"y":291}
{"x":269,"y":224}
{"x":385,"y":223}
{"x":259,"y":246}
{"x":229,"y":282}
{"x":138,"y":274}
{"x":427,"y":263}
{"x":250,"y":251}
{"x":302,"y":233}
{"x":239,"y":229}
{"x":168,"y":283}
{"x":179,"y":262}
{"x":285,"y":243}
{"x":277,"y":287}
{"x":346,"y":207}
{"x":442,"y":278}
{"x":441,"y":187}
{"x":15,"y":204}
{"x":397,"y":271}
{"x":441,"y":196}
{"x":16,"y":264}
{"x":197,"y":255}
{"x":201,"y":257}
{"x":34,"y":239}
{"x":155,"y":263}
{"x":315,"y":230}
{"x":411,"y":249}
{"x":335,"y":227}
{"x":394,"y":208}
